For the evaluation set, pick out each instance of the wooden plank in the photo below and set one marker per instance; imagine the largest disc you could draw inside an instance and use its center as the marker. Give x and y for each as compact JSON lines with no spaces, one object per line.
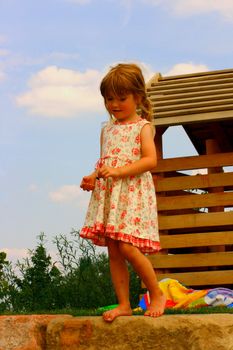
{"x":194,"y":162}
{"x":197,"y":94}
{"x":224,"y":199}
{"x":194,"y":182}
{"x":192,"y":118}
{"x":188,"y":87}
{"x":195,"y":220}
{"x":192,"y":110}
{"x":216,"y":84}
{"x":203,"y":278}
{"x":189,"y":95}
{"x":191,"y":260}
{"x":220,"y":72}
{"x":196,"y":239}
{"x":159,"y":100}
{"x":168,"y":106}
{"x":193,"y":78}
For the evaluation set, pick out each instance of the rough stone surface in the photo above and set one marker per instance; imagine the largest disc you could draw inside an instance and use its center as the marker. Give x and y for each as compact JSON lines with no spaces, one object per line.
{"x":169,"y":332}
{"x":24,"y":332}
{"x":71,"y":334}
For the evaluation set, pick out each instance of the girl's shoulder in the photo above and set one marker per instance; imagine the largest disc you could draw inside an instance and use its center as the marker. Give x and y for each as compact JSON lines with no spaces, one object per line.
{"x":144,"y":121}
{"x":106,"y":125}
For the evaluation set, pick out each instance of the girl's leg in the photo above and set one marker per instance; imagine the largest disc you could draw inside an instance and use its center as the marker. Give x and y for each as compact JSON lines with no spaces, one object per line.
{"x":120,"y":279}
{"x":144,"y":269}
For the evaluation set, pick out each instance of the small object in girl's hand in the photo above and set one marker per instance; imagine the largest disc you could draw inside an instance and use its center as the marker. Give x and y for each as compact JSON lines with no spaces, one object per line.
{"x":90,"y":187}
{"x":87,"y":185}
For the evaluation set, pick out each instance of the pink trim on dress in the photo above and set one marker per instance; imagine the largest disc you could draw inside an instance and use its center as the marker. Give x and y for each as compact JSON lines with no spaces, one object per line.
{"x":98,"y":233}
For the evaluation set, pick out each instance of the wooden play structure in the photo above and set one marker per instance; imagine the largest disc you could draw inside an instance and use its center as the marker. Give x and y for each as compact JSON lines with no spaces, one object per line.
{"x":195,"y":206}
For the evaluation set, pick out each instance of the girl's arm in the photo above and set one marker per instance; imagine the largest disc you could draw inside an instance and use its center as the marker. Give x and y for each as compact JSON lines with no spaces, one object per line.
{"x":88,"y":182}
{"x":147,"y":161}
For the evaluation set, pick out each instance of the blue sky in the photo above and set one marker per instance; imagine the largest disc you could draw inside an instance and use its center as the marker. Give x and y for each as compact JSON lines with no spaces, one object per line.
{"x":53,"y":54}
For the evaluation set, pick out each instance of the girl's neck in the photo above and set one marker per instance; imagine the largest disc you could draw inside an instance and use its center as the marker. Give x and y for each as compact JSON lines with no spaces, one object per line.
{"x":134,"y":120}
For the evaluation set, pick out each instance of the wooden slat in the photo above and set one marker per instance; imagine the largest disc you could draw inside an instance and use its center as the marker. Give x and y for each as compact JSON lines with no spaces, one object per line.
{"x":181,"y":99}
{"x":196,"y":239}
{"x":194,"y":162}
{"x":194,"y":182}
{"x":198,"y":75}
{"x":158,"y":97}
{"x":177,"y":105}
{"x":192,"y":118}
{"x":188,"y":87}
{"x":192,"y":110}
{"x":192,"y":260}
{"x":194,"y":79}
{"x":190,"y":95}
{"x":195,"y":220}
{"x":195,"y":201}
{"x":202,"y":278}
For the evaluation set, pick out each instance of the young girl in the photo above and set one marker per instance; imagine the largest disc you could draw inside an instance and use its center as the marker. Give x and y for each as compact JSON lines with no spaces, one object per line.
{"x":122,"y":211}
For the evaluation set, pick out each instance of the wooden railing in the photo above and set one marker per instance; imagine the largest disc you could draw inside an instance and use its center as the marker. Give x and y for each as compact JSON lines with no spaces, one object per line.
{"x":195,"y":214}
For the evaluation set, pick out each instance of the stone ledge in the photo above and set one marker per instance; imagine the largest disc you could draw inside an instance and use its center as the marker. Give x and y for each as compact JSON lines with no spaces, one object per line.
{"x":169,"y":332}
{"x":25,"y":332}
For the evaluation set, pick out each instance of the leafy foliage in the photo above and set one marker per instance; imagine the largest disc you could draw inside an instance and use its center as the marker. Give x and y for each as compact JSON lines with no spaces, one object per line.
{"x":4,"y":285}
{"x":80,"y":279}
{"x":37,"y":287}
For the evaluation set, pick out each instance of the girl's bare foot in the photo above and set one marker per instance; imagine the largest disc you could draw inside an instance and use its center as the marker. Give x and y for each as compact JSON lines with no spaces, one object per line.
{"x":156,"y":307}
{"x":110,"y":315}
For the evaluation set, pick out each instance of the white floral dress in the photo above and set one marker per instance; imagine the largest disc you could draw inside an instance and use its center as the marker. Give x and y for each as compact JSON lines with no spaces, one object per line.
{"x":123,"y":209}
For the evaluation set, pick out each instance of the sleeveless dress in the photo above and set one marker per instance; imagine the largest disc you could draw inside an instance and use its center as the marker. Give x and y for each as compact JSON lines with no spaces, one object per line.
{"x":123,"y":209}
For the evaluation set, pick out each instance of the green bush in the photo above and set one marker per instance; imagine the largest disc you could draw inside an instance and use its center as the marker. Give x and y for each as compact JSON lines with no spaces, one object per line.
{"x":80,"y":279}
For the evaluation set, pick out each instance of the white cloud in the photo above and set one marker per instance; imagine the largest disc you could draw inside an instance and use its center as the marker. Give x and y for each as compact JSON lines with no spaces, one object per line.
{"x":194,"y":7}
{"x":186,"y":68}
{"x":60,"y":92}
{"x":147,"y":70}
{"x":70,"y":193}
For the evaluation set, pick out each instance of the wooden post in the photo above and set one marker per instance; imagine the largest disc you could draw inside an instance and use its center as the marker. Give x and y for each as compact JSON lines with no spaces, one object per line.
{"x":212,"y":147}
{"x":158,"y":139}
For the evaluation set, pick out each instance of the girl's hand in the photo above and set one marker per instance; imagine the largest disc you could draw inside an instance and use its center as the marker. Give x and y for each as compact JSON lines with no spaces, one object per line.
{"x":106,"y":171}
{"x":88,"y":183}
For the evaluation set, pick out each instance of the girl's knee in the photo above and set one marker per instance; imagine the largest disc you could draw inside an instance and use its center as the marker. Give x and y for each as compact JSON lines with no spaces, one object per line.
{"x":127,"y":250}
{"x":113,"y":249}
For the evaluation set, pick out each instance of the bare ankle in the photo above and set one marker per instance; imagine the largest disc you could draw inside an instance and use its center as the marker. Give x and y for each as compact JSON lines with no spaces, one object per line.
{"x":124,"y":306}
{"x":155,"y":294}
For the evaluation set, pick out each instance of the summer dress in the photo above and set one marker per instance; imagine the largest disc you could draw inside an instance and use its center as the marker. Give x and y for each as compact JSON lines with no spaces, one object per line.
{"x":123,"y":209}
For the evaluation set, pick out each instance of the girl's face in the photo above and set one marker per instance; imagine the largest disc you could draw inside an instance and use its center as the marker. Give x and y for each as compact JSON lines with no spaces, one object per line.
{"x":123,"y":108}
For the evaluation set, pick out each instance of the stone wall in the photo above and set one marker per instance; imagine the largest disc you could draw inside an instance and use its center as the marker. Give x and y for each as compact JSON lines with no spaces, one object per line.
{"x":169,"y":332}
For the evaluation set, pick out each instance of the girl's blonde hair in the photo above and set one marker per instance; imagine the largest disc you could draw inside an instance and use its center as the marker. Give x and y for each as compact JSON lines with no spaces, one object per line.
{"x":126,"y":78}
